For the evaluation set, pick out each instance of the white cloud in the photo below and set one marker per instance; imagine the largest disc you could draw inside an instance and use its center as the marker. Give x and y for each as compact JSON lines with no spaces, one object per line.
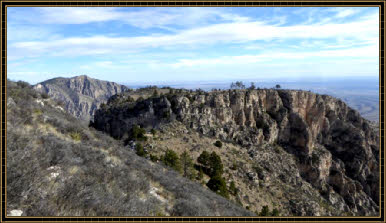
{"x":76,"y":15}
{"x":144,"y":18}
{"x":361,"y":52}
{"x":197,"y":37}
{"x":342,"y":12}
{"x":241,"y":32}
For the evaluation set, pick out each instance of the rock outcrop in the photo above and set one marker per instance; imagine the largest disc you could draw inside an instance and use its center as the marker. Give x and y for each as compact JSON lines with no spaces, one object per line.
{"x":81,"y":95}
{"x":338,"y":150}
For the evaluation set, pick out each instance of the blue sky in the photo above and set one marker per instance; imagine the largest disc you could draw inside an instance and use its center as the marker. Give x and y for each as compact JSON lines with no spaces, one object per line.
{"x":166,"y":45}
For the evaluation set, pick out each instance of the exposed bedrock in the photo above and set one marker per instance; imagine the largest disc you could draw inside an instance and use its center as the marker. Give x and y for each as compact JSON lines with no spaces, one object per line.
{"x":337,"y":148}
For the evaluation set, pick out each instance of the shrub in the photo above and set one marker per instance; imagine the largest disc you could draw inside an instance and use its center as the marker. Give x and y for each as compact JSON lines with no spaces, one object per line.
{"x":264,"y":211}
{"x":200,"y":174}
{"x":232,"y":188}
{"x":38,"y":111}
{"x":155,"y":93}
{"x":130,"y":99}
{"x":211,"y":164}
{"x":275,"y":212}
{"x":218,"y":143}
{"x":191,"y":99}
{"x":22,"y":84}
{"x":76,"y":136}
{"x":139,"y":150}
{"x":140,"y":99}
{"x":218,"y":185}
{"x":138,"y":133}
{"x":237,"y":85}
{"x":44,"y":95}
{"x":171,"y":159}
{"x":103,"y":106}
{"x":234,"y":166}
{"x":166,"y":114}
{"x":153,"y":131}
{"x":153,"y":158}
{"x":160,"y":214}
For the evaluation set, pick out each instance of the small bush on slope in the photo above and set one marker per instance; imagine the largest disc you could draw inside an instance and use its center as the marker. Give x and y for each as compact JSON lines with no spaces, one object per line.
{"x":172,"y":160}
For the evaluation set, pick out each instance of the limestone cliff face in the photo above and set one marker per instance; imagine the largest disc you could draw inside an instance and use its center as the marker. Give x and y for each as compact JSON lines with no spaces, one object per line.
{"x":81,"y":95}
{"x":337,"y":148}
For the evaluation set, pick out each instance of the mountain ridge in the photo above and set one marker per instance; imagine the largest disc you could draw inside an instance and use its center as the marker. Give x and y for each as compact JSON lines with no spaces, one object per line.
{"x":331,"y":150}
{"x":81,"y":95}
{"x":337,"y":148}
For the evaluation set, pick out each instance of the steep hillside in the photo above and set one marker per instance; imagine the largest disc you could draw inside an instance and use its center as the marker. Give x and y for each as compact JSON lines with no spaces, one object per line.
{"x":59,"y":167}
{"x":81,"y":95}
{"x":334,"y":149}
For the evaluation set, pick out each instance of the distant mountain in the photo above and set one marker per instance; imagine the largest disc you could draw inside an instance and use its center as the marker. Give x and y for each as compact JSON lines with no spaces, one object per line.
{"x":81,"y":95}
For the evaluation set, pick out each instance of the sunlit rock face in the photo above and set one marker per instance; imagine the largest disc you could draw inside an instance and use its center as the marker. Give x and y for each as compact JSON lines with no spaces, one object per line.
{"x":337,"y":148}
{"x":81,"y":95}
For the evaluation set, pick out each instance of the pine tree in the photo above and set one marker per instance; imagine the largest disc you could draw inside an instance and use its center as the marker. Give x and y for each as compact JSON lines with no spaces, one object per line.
{"x":187,"y":165}
{"x":211,"y":163}
{"x":252,"y":87}
{"x":264,"y":211}
{"x":171,"y":159}
{"x":138,"y":133}
{"x":203,"y":159}
{"x":218,"y":185}
{"x":215,"y":165}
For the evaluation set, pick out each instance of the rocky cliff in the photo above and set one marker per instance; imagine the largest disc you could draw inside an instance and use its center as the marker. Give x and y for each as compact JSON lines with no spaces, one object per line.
{"x":337,"y":150}
{"x":81,"y":95}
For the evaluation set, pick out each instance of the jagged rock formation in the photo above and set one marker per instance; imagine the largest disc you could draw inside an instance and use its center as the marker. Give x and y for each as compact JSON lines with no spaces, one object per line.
{"x":337,"y":149}
{"x":56,"y":166}
{"x":81,"y":95}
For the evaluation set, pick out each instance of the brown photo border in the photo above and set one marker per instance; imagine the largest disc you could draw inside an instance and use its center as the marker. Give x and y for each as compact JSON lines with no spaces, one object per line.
{"x":188,"y":3}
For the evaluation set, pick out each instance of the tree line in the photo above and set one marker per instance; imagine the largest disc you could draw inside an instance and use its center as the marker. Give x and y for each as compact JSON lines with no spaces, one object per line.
{"x":241,"y":85}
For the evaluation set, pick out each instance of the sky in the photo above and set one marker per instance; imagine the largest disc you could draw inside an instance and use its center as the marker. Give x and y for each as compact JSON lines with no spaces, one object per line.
{"x":167,"y":45}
